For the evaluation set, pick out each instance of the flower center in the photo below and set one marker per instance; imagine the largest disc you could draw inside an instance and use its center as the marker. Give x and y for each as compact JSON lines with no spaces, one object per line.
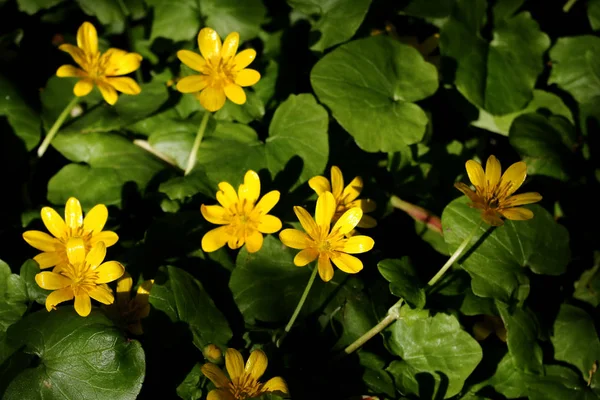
{"x":220,"y":73}
{"x":83,"y":278}
{"x":245,"y":387}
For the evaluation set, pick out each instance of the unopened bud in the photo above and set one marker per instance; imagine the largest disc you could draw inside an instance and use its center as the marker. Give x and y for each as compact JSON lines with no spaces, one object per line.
{"x":213,"y":354}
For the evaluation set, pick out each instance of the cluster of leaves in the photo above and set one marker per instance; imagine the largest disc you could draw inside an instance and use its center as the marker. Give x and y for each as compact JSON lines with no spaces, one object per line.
{"x":347,"y":83}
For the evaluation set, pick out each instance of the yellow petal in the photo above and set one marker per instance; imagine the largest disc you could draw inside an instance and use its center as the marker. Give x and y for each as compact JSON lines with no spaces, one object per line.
{"x":96,"y":255}
{"x":243,"y":59}
{"x":40,"y":240}
{"x":54,"y":222}
{"x":73,"y":214}
{"x":325,"y":268}
{"x":474,"y":197}
{"x":102,"y":294}
{"x":234,"y":363}
{"x":108,"y":92}
{"x":215,"y":374}
{"x":108,"y":237}
{"x":305,"y":257}
{"x":52,"y":281}
{"x":75,"y":247}
{"x":124,"y":285}
{"x":491,"y":217}
{"x":514,"y":177}
{"x":254,"y":242}
{"x":220,"y":394}
{"x":75,"y":52}
{"x":247,"y":77}
{"x":250,"y":190}
{"x":57,"y":297}
{"x":83,"y":304}
{"x":215,"y":239}
{"x":352,"y":191}
{"x":235,"y":242}
{"x":124,"y":85}
{"x":212,"y":98}
{"x":192,"y":60}
{"x":347,"y":263}
{"x":256,"y":364}
{"x":367,"y":205}
{"x":87,"y":38}
{"x":324,"y":211}
{"x":143,"y":292}
{"x":347,"y":221}
{"x":235,"y":93}
{"x":267,"y":202}
{"x":276,"y":384}
{"x":493,"y":172}
{"x":120,"y":62}
{"x":209,"y":43}
{"x":319,"y":184}
{"x":367,"y":222}
{"x":83,"y":87}
{"x":215,"y":214}
{"x":68,"y":71}
{"x":95,"y":219}
{"x":109,"y":271}
{"x":269,"y":224}
{"x":476,"y":174}
{"x":230,"y":46}
{"x":516,"y":200}
{"x":192,"y":83}
{"x":517,"y":214}
{"x":227,"y":196}
{"x":358,"y":244}
{"x":47,"y":260}
{"x":294,"y":238}
{"x":307,"y":222}
{"x":337,"y":182}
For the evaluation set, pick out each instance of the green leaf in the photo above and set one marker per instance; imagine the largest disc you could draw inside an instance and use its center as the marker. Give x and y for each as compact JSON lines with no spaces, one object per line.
{"x":545,"y":144}
{"x":29,"y":270}
{"x":188,"y":389}
{"x":377,"y":379}
{"x":23,"y":119}
{"x":496,"y":258}
{"x":353,"y":309}
{"x":108,"y":12}
{"x":183,"y":298}
{"x":111,"y":162}
{"x":371,"y":85}
{"x":33,"y":6}
{"x":267,"y":286}
{"x":336,"y":20}
{"x":558,"y":383}
{"x":435,"y":352}
{"x":498,"y":76}
{"x":508,"y":380}
{"x":587,"y":288}
{"x":13,"y":297}
{"x":522,"y":333}
{"x":576,"y":66}
{"x":404,"y":281}
{"x":298,"y":129}
{"x":96,"y":361}
{"x":226,"y":16}
{"x":175,"y":19}
{"x":541,"y":101}
{"x":594,"y":14}
{"x":182,"y":187}
{"x":575,"y":341}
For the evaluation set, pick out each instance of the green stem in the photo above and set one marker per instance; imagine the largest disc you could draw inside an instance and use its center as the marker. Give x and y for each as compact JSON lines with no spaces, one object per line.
{"x":57,"y":124}
{"x":288,"y":327}
{"x":192,"y":160}
{"x":457,"y":253}
{"x":393,"y":315}
{"x":568,"y":5}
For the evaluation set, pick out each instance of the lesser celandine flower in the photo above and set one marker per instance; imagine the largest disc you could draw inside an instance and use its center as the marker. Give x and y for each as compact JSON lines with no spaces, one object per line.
{"x":325,"y":243}
{"x":102,"y":70}
{"x":493,"y":191}
{"x":68,"y":235}
{"x":345,"y":197}
{"x":222,"y":72}
{"x":243,"y":381}
{"x":82,"y":278}
{"x":129,"y":312}
{"x":243,"y":219}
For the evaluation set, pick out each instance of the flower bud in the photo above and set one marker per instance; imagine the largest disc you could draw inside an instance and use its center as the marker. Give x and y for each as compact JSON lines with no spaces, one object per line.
{"x":213,"y":354}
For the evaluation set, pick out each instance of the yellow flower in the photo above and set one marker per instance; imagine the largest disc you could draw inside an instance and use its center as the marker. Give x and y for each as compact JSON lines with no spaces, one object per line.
{"x":345,"y":197}
{"x":243,"y":381}
{"x":102,"y":70}
{"x":129,"y":312}
{"x":67,"y":235}
{"x":493,"y":191}
{"x":83,"y":277}
{"x":242,"y":217}
{"x":222,"y":72}
{"x":325,"y":244}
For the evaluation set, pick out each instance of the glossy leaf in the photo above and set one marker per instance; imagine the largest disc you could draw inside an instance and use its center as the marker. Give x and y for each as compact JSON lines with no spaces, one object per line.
{"x":522,"y":333}
{"x":404,"y":281}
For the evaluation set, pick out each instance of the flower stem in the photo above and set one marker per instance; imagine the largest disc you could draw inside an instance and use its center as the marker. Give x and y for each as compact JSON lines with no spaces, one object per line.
{"x":394,"y":312}
{"x":457,"y":253}
{"x":57,"y":124}
{"x":192,"y":160}
{"x":568,"y":5}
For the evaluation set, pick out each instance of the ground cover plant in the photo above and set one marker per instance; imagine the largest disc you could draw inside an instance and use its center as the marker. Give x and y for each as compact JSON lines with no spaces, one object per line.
{"x":306,"y":199}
